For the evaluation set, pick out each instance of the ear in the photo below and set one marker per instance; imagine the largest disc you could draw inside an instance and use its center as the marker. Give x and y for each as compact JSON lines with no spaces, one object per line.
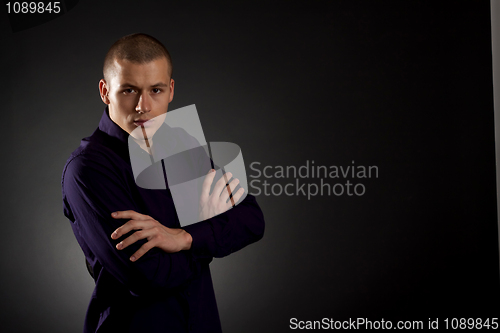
{"x":171,"y":90}
{"x":104,"y":91}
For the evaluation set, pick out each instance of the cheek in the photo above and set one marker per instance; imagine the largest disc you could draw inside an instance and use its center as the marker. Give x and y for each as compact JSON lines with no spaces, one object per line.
{"x":123,"y":108}
{"x":167,"y":99}
{"x":124,"y":102}
{"x":159,"y":103}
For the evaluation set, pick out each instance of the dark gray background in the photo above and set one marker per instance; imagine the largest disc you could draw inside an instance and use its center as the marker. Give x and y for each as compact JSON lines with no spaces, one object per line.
{"x":404,"y":85}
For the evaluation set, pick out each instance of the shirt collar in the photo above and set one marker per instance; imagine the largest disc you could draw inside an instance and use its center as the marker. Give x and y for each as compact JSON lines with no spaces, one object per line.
{"x":109,"y":127}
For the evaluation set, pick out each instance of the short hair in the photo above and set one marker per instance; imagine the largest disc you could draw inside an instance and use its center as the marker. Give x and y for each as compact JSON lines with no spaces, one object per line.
{"x":138,"y":48}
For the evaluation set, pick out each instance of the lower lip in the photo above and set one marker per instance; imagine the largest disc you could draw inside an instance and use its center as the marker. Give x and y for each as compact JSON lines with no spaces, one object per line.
{"x":142,"y":123}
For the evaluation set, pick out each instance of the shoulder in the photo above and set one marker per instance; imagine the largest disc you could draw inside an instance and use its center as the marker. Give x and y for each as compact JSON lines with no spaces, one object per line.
{"x":89,"y":160}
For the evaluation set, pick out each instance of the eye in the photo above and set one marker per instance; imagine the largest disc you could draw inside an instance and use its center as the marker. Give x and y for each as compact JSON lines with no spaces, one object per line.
{"x":128,"y":91}
{"x":156,"y":90}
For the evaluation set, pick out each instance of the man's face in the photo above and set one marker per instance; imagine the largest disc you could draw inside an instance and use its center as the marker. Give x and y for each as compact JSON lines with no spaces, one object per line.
{"x":137,"y":93}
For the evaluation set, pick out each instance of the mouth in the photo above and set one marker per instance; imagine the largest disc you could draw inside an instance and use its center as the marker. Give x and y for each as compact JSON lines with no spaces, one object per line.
{"x":145,"y":123}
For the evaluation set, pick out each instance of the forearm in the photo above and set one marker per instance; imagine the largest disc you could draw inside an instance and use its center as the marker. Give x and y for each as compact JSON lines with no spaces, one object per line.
{"x":228,"y":232}
{"x":94,"y":193}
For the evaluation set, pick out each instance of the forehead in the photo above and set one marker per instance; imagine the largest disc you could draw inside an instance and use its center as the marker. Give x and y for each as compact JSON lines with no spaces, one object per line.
{"x":140,"y":74}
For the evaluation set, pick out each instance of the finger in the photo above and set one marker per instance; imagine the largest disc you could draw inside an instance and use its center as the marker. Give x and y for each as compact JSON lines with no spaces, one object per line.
{"x":143,"y":249}
{"x":207,"y":183}
{"x":219,"y":186}
{"x":237,"y":196}
{"x":138,"y":235}
{"x":129,"y":226}
{"x":129,"y":214}
{"x":229,"y":189}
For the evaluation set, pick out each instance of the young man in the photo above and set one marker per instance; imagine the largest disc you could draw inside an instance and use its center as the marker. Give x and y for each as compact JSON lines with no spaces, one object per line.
{"x":151,"y":275}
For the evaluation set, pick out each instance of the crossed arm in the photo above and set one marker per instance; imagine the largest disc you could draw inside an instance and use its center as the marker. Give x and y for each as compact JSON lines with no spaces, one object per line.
{"x":173,"y":240}
{"x":164,"y":257}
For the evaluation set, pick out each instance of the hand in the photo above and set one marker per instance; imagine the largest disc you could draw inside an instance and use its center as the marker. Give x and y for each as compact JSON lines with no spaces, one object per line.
{"x":217,"y":202}
{"x":168,"y":239}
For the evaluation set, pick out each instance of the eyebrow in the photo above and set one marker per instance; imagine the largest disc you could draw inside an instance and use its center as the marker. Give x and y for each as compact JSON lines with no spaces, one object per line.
{"x":159,"y":84}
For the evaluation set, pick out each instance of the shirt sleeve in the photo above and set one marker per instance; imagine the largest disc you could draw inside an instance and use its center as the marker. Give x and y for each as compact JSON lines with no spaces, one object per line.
{"x":93,"y":191}
{"x":228,"y":232}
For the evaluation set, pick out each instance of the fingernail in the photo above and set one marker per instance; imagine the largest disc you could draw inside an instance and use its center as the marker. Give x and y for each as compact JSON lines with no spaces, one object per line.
{"x":114,"y":234}
{"x":212,"y":170}
{"x":114,"y":214}
{"x":132,"y":258}
{"x":119,"y":246}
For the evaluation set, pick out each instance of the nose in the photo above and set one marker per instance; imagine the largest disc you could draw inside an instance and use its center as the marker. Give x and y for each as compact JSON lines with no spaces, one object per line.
{"x":144,"y":104}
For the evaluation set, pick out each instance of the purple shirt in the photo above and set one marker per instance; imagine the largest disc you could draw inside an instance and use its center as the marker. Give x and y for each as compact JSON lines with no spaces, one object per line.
{"x":160,"y":292}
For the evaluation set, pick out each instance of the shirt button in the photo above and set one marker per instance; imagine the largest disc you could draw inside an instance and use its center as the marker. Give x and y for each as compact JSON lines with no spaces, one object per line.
{"x":189,"y":293}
